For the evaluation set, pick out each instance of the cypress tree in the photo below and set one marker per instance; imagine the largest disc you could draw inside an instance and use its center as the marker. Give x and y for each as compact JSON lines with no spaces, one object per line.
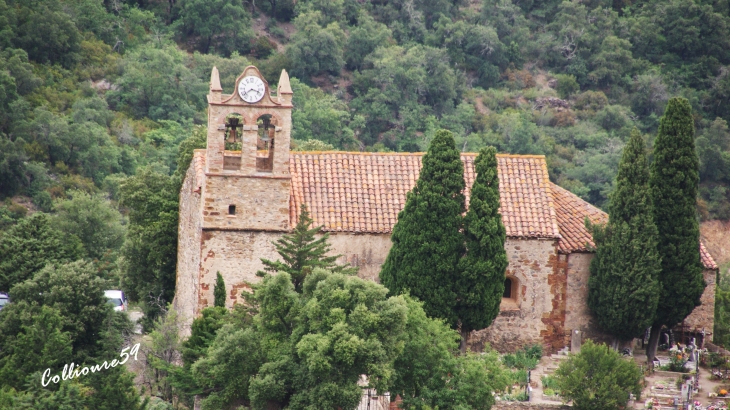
{"x":673,"y":185}
{"x":302,"y":252}
{"x":480,"y":287}
{"x":427,"y":242}
{"x":219,"y":291}
{"x":623,"y":289}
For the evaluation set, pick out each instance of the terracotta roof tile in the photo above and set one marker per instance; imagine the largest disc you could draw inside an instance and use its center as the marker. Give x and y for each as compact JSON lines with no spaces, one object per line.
{"x":571,"y":211}
{"x":363,"y":192}
{"x":199,"y":164}
{"x":707,"y":260}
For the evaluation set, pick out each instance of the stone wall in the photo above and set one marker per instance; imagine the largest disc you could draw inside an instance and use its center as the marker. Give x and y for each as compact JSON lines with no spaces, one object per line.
{"x":365,"y":251}
{"x":528,"y":318}
{"x":536,"y":317}
{"x":188,"y":251}
{"x":703,"y":316}
{"x":262,"y":203}
{"x":578,"y":315}
{"x":237,"y":256}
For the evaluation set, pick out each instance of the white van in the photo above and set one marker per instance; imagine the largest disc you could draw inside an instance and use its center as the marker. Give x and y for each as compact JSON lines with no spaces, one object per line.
{"x":117,"y":299}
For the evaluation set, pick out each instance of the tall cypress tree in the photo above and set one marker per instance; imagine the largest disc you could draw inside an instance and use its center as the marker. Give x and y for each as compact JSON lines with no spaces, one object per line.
{"x":623,"y":288}
{"x":480,"y":286}
{"x":302,"y":251}
{"x":427,"y":242}
{"x":219,"y":291}
{"x":674,"y":183}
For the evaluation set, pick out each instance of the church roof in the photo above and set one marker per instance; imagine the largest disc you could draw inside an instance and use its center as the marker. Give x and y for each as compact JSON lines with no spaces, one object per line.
{"x":572,"y":212}
{"x":364,"y":192}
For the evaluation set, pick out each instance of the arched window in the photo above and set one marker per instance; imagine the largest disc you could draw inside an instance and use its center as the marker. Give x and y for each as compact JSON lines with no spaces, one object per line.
{"x":234,"y":128}
{"x":265,"y":144}
{"x":510,"y":297}
{"x":507,"y":288}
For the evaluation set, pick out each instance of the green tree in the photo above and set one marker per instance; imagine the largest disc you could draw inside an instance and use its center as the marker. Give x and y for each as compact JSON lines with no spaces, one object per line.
{"x":75,"y":290}
{"x":221,"y":26}
{"x":673,"y":184}
{"x":315,"y":49}
{"x":46,"y":32}
{"x":567,"y":85}
{"x":364,"y":39}
{"x":302,"y":252}
{"x":428,"y":372}
{"x":318,"y":115}
{"x":155,"y":83}
{"x":12,"y":167}
{"x":150,"y":248}
{"x":598,"y":378}
{"x":480,"y":284}
{"x":623,"y":287}
{"x":219,"y":291}
{"x":306,"y":349}
{"x":93,"y":220}
{"x":32,"y":244}
{"x":32,"y":340}
{"x":427,"y":242}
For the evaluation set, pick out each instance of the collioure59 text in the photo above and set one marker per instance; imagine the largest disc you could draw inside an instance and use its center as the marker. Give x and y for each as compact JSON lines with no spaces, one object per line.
{"x":70,"y":373}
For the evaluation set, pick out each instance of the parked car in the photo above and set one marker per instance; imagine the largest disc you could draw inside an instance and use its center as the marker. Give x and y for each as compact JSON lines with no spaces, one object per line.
{"x":4,"y":299}
{"x":117,"y":299}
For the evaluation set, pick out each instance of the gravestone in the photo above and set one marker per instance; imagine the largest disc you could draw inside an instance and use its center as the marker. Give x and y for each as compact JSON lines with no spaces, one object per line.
{"x":575,"y":341}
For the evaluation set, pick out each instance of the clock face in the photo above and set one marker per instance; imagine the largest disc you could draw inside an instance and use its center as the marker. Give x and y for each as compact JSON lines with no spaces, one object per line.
{"x":251,"y":89}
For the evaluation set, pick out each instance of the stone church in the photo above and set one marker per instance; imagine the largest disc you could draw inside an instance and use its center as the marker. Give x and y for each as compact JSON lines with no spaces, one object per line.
{"x":246,"y":189}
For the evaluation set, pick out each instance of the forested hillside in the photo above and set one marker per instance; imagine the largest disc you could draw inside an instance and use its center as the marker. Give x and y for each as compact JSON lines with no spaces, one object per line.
{"x":93,"y":92}
{"x":103,"y":101}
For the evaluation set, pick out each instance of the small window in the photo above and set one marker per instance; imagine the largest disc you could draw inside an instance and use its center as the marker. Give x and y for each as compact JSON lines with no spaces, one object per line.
{"x":507,"y":288}
{"x":231,"y":209}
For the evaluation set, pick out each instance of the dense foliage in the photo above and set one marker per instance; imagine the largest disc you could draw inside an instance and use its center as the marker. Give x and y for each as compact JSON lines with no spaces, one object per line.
{"x":623,"y":287}
{"x":427,"y":239}
{"x":480,"y":283}
{"x":673,"y":185}
{"x":598,"y":377}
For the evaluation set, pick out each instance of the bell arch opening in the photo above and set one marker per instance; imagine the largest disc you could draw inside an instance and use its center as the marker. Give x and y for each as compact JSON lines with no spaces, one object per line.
{"x":232,"y":136}
{"x":265,"y":143}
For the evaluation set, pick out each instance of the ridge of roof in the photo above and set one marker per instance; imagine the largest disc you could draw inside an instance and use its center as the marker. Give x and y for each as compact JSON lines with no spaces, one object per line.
{"x":417,"y":154}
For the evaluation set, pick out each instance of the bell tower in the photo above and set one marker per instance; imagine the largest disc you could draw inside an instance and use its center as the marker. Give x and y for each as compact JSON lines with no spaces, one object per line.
{"x":247,"y":156}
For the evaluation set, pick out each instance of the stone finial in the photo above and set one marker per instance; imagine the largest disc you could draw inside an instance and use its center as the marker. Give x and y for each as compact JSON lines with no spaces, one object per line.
{"x":284,"y":90}
{"x":215,"y":81}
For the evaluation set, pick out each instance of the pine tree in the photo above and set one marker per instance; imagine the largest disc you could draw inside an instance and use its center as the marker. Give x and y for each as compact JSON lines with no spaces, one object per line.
{"x":219,"y":291}
{"x":480,"y":286}
{"x":427,"y":242}
{"x":623,"y":289}
{"x":674,"y":184}
{"x":302,"y":252}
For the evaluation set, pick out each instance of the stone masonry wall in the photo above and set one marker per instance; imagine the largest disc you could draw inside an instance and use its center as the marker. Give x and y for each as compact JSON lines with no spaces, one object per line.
{"x":262,"y":203}
{"x":703,"y":316}
{"x":578,"y":315}
{"x":237,"y":256}
{"x":188,"y":252}
{"x":521,"y":320}
{"x":366,"y":252}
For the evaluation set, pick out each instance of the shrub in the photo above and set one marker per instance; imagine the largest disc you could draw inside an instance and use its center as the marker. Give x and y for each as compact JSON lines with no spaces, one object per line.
{"x":549,"y":382}
{"x":525,"y":358}
{"x":566,"y":85}
{"x":598,"y":378}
